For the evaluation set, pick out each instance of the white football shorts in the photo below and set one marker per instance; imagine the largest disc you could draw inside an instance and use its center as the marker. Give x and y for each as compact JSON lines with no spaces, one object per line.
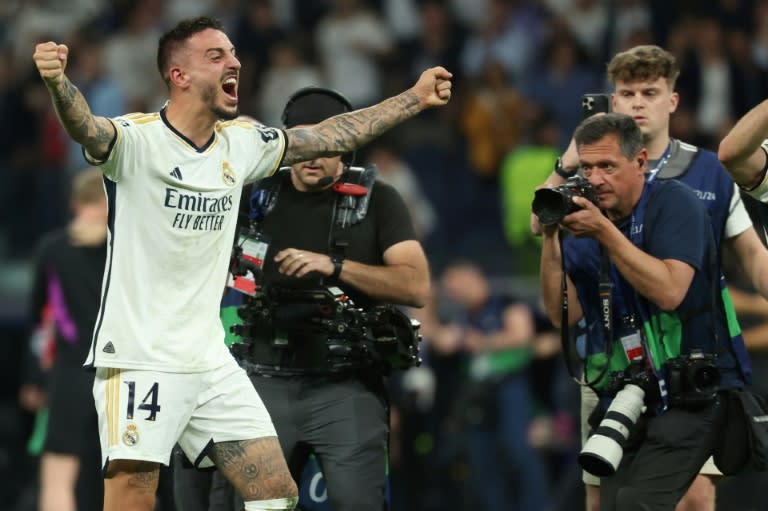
{"x":143,"y":414}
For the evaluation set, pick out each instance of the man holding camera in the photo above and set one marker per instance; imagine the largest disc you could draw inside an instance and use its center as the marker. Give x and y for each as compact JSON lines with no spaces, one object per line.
{"x":325,"y":225}
{"x":644,"y":87}
{"x":650,"y":244}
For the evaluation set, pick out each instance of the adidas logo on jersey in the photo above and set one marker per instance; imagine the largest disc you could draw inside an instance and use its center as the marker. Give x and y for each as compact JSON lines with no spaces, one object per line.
{"x":109,"y":348}
{"x":176,"y":173}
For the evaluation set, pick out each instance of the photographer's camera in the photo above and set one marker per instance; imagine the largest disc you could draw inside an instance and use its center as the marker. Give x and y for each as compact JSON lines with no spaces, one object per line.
{"x":552,"y":204}
{"x":694,"y":379}
{"x":603,"y":451}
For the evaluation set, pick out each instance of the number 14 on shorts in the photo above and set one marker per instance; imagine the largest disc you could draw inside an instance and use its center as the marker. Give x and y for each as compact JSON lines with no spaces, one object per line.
{"x":149,"y":403}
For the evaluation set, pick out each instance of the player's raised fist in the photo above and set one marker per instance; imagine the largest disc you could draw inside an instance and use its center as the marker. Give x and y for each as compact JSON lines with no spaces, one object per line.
{"x":51,"y":59}
{"x":434,"y":87}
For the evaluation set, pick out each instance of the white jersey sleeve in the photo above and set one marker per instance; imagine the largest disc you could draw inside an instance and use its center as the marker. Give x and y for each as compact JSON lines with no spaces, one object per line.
{"x":738,"y":219}
{"x":172,"y":216}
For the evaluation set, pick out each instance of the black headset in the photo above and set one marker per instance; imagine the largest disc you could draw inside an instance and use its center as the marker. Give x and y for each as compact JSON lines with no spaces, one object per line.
{"x":349,"y":158}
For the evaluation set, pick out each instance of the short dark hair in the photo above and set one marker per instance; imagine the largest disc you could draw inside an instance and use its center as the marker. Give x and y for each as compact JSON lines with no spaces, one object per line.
{"x":595,"y":128}
{"x":175,"y":37}
{"x":644,"y":62}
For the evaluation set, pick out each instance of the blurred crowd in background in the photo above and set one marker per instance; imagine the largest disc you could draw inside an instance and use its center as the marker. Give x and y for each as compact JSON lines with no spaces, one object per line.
{"x":467,"y":171}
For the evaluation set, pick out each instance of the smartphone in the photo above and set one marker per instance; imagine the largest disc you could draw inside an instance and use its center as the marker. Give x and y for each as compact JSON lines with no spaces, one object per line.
{"x":592,"y":104}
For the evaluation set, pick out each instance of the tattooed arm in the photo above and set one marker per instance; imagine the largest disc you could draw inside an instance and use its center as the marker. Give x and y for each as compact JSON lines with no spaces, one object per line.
{"x":347,"y":132}
{"x":93,"y":133}
{"x":741,"y":150}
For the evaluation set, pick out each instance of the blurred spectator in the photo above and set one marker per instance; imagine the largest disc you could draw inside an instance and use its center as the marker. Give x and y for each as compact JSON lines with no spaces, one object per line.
{"x":287,"y":73}
{"x":632,"y":24}
{"x":438,"y":43}
{"x":351,"y":39}
{"x":402,"y":17}
{"x":750,"y":81}
{"x":257,"y":37}
{"x":308,"y":13}
{"x":430,"y":474}
{"x":497,"y":331}
{"x":56,"y":19}
{"x":225,"y":11}
{"x":561,"y":80}
{"x":709,"y":82}
{"x":394,"y":171}
{"x":31,"y":193}
{"x":511,"y":35}
{"x":131,"y":53}
{"x":491,"y":119}
{"x":587,"y":20}
{"x":471,"y":14}
{"x":65,"y":303}
{"x":522,"y":170}
{"x":760,"y":41}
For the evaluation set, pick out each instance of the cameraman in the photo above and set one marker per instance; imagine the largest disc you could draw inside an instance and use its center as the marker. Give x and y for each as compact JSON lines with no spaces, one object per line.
{"x":339,"y":415}
{"x":660,"y":257}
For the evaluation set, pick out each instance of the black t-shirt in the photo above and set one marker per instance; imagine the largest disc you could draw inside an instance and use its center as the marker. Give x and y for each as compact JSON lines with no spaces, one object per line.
{"x":303,"y":220}
{"x":68,"y":284}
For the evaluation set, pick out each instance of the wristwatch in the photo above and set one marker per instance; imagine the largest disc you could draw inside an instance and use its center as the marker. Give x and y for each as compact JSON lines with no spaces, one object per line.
{"x":562,"y":171}
{"x":338,"y":263}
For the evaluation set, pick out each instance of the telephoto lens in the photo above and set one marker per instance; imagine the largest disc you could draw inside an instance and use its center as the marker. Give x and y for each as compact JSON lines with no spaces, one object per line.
{"x":602,"y":453}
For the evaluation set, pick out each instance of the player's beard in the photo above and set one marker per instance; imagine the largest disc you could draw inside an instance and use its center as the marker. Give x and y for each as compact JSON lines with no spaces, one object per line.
{"x":210,"y":94}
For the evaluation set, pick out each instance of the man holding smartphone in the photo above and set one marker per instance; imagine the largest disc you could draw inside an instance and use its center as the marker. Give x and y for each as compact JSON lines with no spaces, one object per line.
{"x":644,"y":80}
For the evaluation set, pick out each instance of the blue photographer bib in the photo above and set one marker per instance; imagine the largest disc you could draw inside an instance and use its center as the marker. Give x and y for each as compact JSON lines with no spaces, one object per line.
{"x":703,"y":172}
{"x":668,"y":222}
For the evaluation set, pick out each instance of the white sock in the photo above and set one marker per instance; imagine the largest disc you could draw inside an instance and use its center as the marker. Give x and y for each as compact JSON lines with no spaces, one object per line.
{"x":271,"y":505}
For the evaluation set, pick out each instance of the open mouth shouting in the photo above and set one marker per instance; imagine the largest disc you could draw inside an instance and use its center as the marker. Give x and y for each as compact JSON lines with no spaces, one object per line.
{"x":230,"y":89}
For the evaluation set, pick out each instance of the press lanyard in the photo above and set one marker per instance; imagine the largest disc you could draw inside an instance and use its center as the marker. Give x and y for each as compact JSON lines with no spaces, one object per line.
{"x":636,"y":236}
{"x":660,"y":165}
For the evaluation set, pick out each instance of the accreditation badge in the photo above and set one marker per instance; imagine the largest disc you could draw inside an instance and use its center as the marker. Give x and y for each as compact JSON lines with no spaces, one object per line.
{"x":248,"y":263}
{"x":633,"y":346}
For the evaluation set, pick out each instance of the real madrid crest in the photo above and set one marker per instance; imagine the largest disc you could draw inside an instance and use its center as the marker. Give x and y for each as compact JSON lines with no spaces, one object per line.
{"x":227,"y":175}
{"x":131,"y":435}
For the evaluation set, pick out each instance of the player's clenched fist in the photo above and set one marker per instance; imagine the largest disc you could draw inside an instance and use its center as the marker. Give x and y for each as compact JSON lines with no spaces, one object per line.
{"x":434,"y":87}
{"x":51,"y":59}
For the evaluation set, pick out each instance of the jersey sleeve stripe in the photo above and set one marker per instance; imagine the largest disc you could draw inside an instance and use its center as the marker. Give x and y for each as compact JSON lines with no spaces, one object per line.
{"x":761,"y":189}
{"x":284,"y":140}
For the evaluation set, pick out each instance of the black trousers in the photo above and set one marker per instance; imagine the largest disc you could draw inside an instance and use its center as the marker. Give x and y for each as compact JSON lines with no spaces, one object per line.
{"x":342,"y":420}
{"x":661,"y":459}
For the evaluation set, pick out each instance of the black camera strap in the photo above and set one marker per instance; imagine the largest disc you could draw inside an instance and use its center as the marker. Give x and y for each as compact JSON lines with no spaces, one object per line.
{"x":605,"y":291}
{"x":349,"y":208}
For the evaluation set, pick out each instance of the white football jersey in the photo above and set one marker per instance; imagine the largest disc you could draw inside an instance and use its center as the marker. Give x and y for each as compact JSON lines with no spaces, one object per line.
{"x":172,"y":214}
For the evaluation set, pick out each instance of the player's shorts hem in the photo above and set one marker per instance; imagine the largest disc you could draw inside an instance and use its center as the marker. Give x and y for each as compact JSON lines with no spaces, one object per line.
{"x":118,"y":456}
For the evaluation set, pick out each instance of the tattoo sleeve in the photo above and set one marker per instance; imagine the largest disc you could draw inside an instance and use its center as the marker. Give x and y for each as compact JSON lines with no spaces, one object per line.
{"x":256,"y":468}
{"x":93,"y":133}
{"x":145,"y":479}
{"x":345,"y":133}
